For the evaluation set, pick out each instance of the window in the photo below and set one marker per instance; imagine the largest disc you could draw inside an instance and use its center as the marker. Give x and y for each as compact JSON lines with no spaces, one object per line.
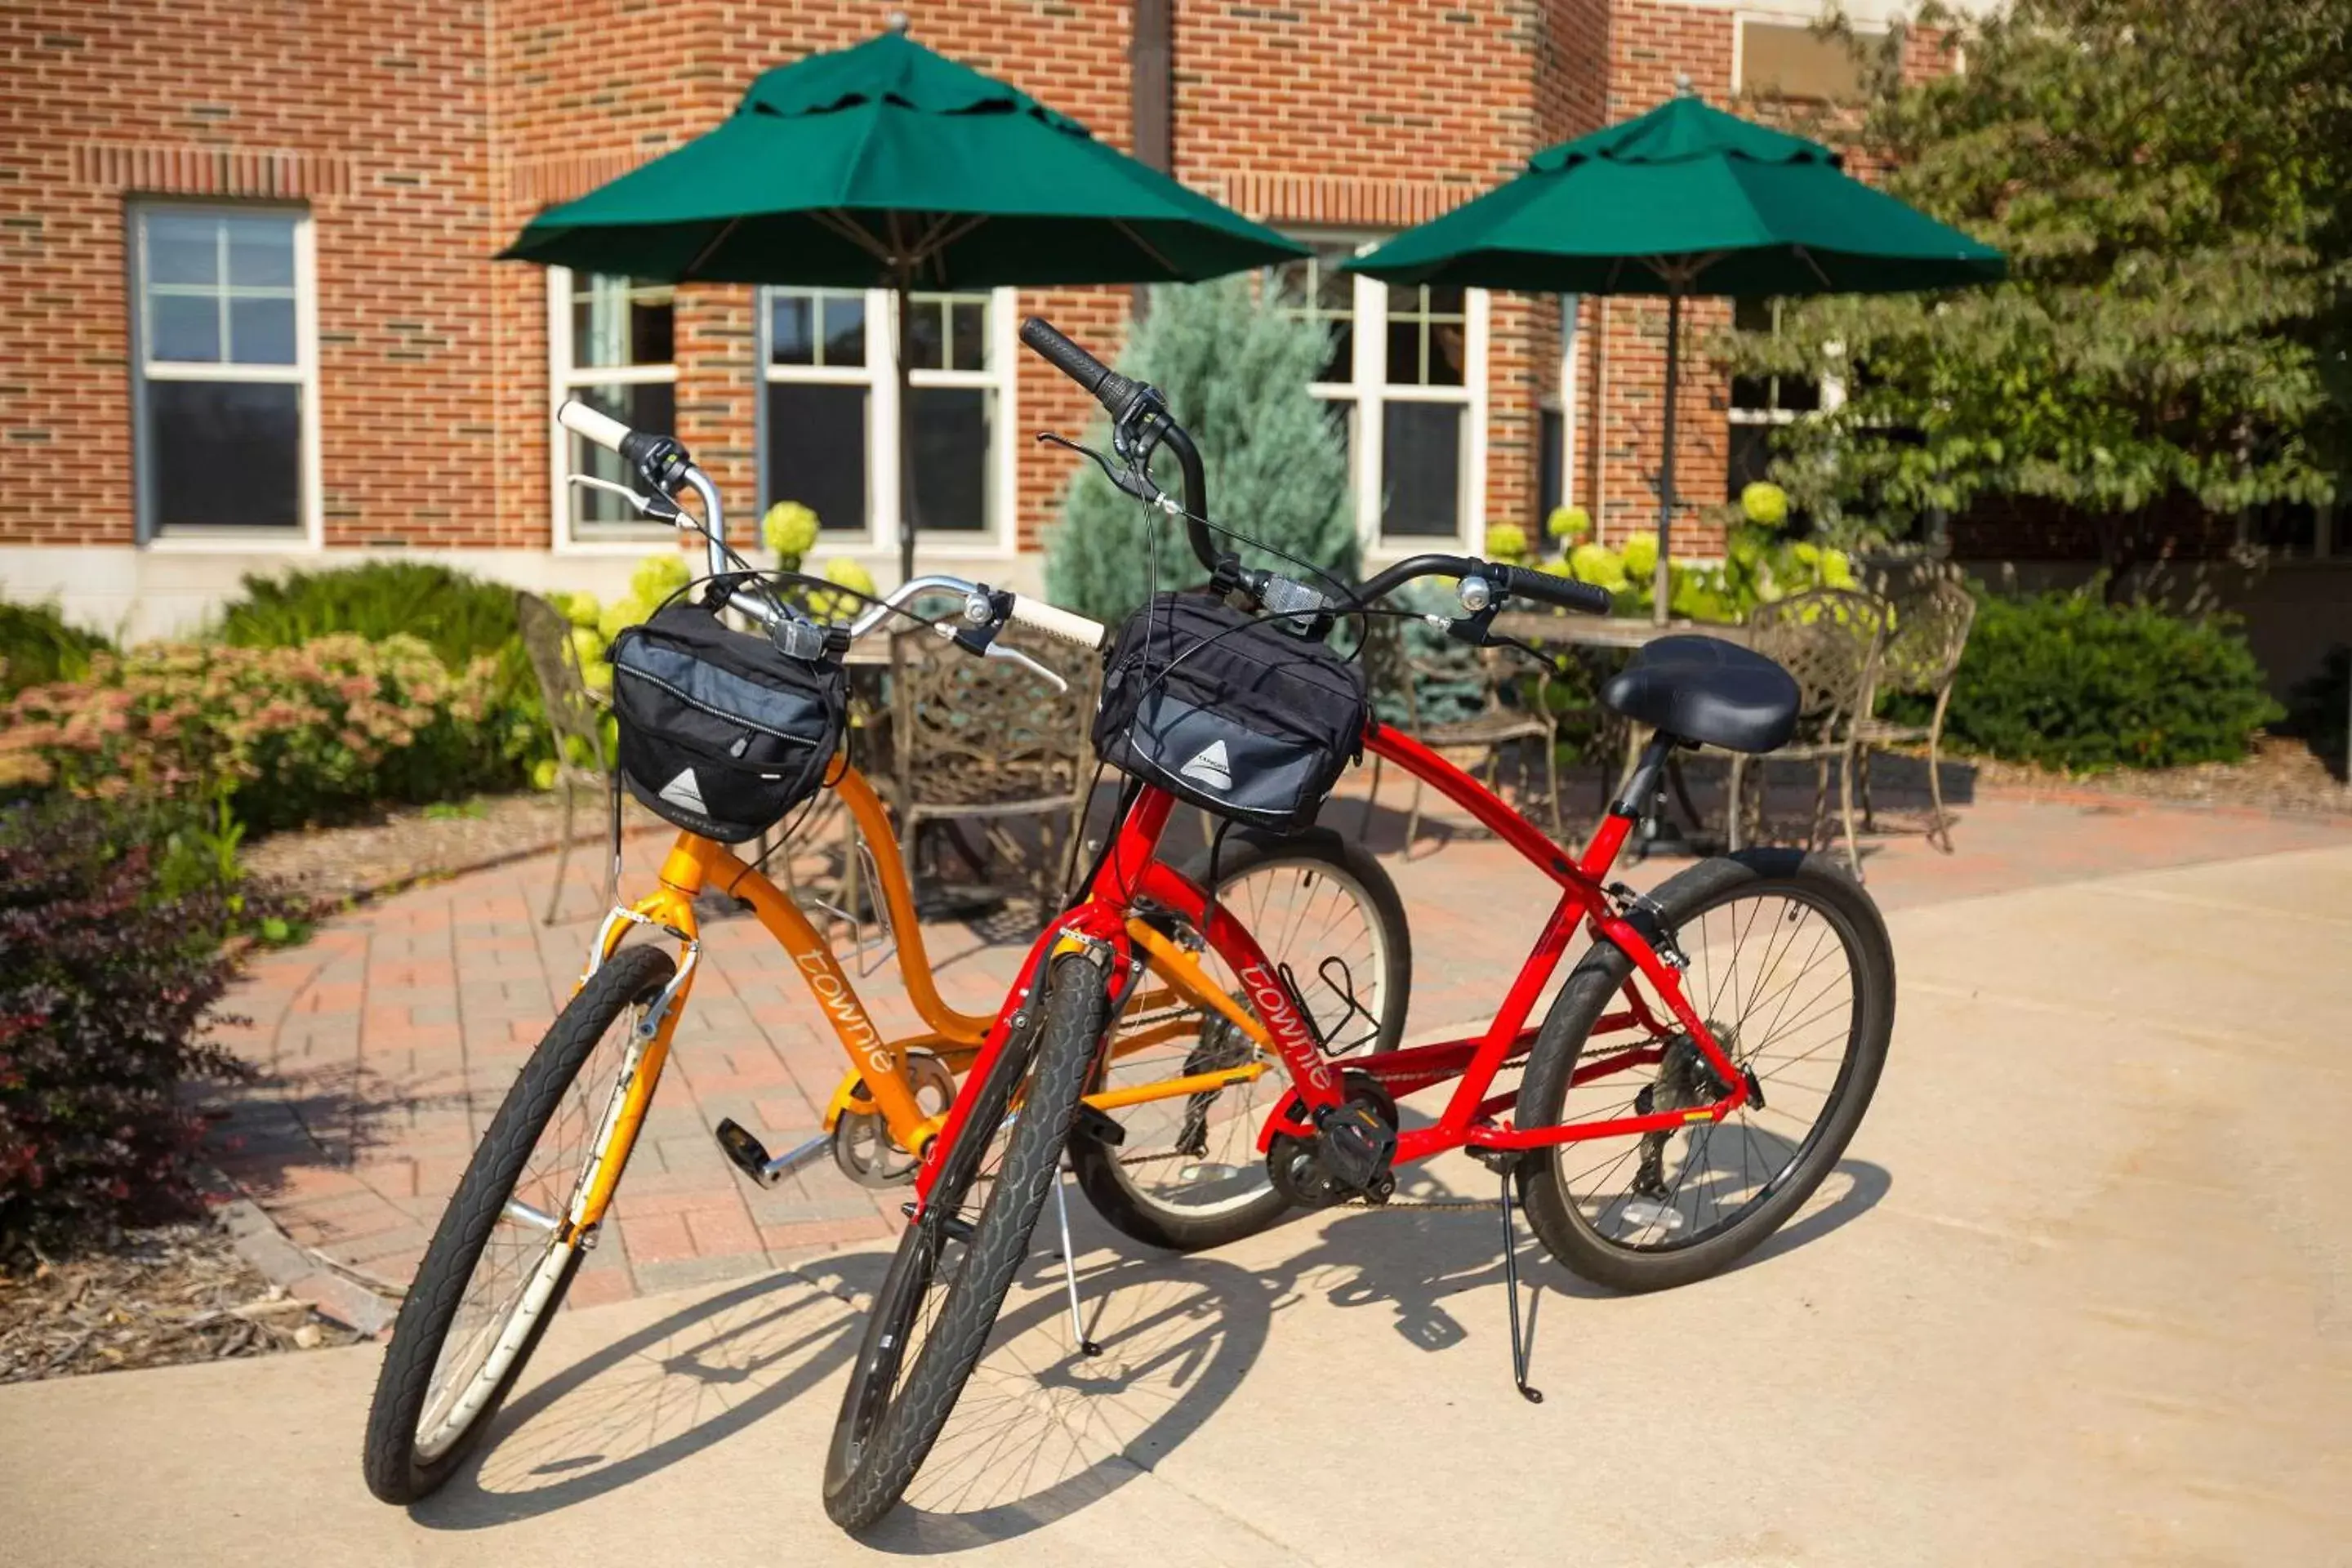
{"x":224,"y":384}
{"x":819,"y":405}
{"x":1406,"y":375}
{"x":831,"y":417}
{"x":1760,"y":401}
{"x":613,"y":342}
{"x":1792,"y":60}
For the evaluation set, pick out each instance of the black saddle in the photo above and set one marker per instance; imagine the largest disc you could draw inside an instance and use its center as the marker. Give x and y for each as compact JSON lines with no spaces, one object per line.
{"x":1707,"y":690}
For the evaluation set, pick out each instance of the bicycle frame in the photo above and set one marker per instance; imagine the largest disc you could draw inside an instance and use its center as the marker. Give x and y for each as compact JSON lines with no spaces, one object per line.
{"x":1474,"y":1118}
{"x":877,"y":1065}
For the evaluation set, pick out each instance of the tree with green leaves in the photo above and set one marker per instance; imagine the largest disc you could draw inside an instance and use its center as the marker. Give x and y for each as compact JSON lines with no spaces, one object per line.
{"x":2172,"y":182}
{"x":1235,"y":371}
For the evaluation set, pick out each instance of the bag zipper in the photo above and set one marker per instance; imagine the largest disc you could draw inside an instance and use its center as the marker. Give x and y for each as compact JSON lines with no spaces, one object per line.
{"x":715,"y":714}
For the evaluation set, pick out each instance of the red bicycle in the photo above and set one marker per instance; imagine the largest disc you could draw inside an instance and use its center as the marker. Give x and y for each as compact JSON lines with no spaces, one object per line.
{"x":1697,"y":1076}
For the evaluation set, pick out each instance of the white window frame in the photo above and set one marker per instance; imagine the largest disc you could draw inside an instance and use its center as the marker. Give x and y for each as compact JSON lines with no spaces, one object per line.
{"x":562,"y":379}
{"x":1369,"y":392}
{"x":310,"y":535}
{"x":1832,"y":397}
{"x":876,"y":541}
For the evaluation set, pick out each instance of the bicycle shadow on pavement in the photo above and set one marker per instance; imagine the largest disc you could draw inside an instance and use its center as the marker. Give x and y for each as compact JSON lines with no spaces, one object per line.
{"x":1412,"y":1262}
{"x":1039,"y":1433}
{"x":1043,"y":1431}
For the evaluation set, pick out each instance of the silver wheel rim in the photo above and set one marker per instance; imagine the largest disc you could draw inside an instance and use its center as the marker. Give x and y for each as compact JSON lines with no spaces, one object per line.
{"x":524,"y":1258}
{"x":1773,"y":973}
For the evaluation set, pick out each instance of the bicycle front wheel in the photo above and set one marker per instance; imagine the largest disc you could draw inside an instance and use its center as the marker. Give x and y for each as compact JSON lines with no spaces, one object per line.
{"x":499,"y":1264}
{"x":937,"y":1304}
{"x":1790,"y":968}
{"x":1188,"y":1176}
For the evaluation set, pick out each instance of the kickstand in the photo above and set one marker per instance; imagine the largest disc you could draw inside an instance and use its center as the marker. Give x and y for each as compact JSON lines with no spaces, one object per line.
{"x":1511,"y":1284}
{"x":1087,"y":1347}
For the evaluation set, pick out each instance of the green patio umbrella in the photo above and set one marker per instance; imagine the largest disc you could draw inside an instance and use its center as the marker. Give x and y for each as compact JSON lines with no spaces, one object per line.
{"x":1686,"y":200}
{"x":885,"y":165}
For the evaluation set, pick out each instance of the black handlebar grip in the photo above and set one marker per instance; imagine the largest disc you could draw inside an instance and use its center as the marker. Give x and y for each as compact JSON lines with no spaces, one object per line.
{"x":1110,"y":389}
{"x":1566,"y":592}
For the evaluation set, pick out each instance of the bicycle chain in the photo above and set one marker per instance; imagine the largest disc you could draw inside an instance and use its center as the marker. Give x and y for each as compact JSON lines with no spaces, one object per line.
{"x":1463,"y":1204}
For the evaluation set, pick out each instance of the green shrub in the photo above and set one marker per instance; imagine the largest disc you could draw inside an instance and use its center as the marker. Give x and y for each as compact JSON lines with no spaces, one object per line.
{"x":2066,"y":680}
{"x":288,"y":735}
{"x":458,"y":616}
{"x":37,"y":646}
{"x":1236,"y":372}
{"x":109,"y":970}
{"x":2315,"y":708}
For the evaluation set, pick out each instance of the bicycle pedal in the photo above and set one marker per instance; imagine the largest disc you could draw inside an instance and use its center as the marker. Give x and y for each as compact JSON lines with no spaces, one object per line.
{"x":1357,"y":1145}
{"x":750,"y":1156}
{"x":745,"y":1152}
{"x":1098,"y":1127}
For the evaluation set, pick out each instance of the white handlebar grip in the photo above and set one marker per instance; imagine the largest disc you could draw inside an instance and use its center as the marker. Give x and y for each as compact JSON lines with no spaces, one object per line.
{"x":1056,"y":622}
{"x":590,"y":424}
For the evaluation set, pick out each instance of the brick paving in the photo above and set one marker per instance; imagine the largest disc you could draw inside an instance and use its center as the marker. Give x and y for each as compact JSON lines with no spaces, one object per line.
{"x":385,"y":1043}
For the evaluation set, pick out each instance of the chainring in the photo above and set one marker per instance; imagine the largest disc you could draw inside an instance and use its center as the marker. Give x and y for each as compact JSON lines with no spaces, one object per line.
{"x":862,"y":1145}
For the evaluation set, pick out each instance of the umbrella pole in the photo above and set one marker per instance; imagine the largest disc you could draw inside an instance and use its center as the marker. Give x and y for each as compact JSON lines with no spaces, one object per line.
{"x":905,"y":308}
{"x":1660,"y":590}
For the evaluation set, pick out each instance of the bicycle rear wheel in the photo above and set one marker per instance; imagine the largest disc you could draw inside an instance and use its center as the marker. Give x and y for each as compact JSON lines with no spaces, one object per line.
{"x":1790,"y":967}
{"x":499,"y":1265}
{"x":933,"y":1315}
{"x":1188,"y":1176}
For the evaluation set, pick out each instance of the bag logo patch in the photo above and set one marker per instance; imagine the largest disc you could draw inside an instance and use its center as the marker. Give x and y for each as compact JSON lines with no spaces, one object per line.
{"x":1209,"y":765}
{"x":686,"y":790}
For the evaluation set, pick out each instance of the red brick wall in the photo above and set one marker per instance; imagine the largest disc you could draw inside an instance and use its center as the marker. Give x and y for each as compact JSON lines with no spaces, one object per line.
{"x":1346,"y":114}
{"x":422,"y":133}
{"x":220,"y":100}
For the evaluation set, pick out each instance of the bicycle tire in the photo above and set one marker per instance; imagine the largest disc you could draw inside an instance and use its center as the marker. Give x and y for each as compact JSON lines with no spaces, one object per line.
{"x":886,"y":1428}
{"x":1799,"y":879}
{"x":400,"y":1466}
{"x":1102,"y":1171}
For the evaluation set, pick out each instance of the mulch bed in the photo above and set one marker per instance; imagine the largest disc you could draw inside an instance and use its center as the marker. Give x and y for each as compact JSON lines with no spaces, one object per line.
{"x":167,"y":1295}
{"x":2283,"y":774}
{"x":409,"y":843}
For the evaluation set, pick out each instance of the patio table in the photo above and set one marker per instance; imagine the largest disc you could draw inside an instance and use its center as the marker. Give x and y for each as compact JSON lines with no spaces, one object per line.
{"x":1594,"y":637}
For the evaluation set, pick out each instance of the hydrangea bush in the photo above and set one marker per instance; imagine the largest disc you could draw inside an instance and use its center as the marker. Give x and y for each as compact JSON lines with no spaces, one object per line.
{"x":288,"y":735}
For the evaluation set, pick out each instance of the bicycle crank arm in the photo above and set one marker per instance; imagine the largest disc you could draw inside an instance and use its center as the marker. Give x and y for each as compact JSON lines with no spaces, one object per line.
{"x":750,"y":1156}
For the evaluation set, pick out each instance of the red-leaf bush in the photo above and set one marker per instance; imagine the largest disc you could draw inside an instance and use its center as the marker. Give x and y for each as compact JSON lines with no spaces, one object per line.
{"x":112,"y":960}
{"x":290,"y":735}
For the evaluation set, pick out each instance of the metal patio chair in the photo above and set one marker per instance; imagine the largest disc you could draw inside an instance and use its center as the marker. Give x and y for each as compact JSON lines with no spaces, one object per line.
{"x":573,"y":715}
{"x":975,"y":740}
{"x":1932,"y":615}
{"x":1391,"y":666}
{"x":1830,"y":640}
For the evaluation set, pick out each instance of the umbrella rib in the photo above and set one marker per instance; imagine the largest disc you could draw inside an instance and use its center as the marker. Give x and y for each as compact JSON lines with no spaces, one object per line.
{"x":725,"y":231}
{"x":831,"y":218}
{"x":933,"y":247}
{"x":1144,"y":244}
{"x":1805,"y":255}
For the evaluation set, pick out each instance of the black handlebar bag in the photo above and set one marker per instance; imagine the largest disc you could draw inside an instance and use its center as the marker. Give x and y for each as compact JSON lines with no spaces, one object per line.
{"x":721,"y":733}
{"x":1233,"y":713}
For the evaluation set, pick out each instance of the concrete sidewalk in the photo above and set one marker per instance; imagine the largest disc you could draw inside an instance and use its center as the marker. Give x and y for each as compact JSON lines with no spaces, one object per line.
{"x":2078,"y":1294}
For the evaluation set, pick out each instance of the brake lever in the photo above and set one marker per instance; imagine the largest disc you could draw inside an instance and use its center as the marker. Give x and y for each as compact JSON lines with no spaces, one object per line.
{"x":1137,"y":485}
{"x":660,"y":508}
{"x":1000,"y":650}
{"x":970,"y":643}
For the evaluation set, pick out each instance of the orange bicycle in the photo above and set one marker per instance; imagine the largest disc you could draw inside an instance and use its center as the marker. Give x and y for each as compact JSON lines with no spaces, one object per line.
{"x":1190,"y":1048}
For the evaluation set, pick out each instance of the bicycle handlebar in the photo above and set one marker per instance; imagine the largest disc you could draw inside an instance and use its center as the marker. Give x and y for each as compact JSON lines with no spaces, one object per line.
{"x":1115,"y":392}
{"x":1125,"y":400}
{"x":1565,"y":591}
